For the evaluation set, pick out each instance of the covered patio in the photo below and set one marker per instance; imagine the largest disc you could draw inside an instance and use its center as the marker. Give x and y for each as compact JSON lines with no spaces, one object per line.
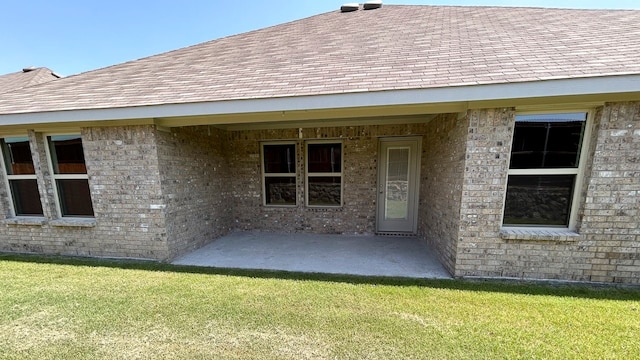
{"x":368,"y":255}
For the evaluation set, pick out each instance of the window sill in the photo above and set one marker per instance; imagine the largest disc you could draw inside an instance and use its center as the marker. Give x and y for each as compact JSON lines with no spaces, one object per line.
{"x":25,"y":220}
{"x":538,"y":234}
{"x":315,"y":208}
{"x":73,"y":222}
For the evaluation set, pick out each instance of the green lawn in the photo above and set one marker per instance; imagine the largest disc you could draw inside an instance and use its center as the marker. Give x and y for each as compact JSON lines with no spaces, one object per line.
{"x":60,"y":308}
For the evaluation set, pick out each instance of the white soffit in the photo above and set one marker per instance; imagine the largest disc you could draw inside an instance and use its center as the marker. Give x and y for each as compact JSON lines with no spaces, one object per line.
{"x":476,"y":93}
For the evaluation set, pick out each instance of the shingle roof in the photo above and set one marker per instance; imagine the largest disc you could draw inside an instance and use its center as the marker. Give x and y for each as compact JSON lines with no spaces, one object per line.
{"x":395,"y":47}
{"x":26,"y":77}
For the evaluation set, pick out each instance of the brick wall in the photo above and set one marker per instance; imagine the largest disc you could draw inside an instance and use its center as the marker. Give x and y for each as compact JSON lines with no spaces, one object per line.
{"x":195,"y":186}
{"x":443,"y":155}
{"x":5,"y":203}
{"x":357,"y":216}
{"x":158,"y":194}
{"x":122,"y":165}
{"x":606,"y":246}
{"x":611,"y":216}
{"x":38,"y":144}
{"x":483,"y":248}
{"x":480,"y":250}
{"x":125,"y":189}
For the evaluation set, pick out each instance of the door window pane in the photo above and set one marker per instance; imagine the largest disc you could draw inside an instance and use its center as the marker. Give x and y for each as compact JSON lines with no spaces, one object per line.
{"x":75,"y":197}
{"x":324,"y":191}
{"x":397,"y":186}
{"x":538,"y":199}
{"x":26,"y":198}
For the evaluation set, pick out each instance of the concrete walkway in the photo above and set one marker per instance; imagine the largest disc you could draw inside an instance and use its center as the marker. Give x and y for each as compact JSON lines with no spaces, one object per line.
{"x":335,"y":254}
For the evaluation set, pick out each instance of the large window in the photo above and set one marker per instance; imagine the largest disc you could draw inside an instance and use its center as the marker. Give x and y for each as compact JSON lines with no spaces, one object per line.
{"x":21,"y":176}
{"x":70,"y":175}
{"x":279,"y":173}
{"x":323,"y":180}
{"x":324,"y":174}
{"x":544,"y":167}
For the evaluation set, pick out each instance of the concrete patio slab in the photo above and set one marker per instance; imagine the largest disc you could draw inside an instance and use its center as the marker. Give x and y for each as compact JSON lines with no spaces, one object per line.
{"x":334,"y":254}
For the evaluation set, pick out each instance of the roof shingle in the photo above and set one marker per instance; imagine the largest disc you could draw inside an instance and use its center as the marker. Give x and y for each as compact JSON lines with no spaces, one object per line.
{"x":26,"y":77}
{"x":395,"y":47}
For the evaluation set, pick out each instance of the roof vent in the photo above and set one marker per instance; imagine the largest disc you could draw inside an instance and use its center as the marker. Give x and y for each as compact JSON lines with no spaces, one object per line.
{"x":372,"y":4}
{"x":349,"y":7}
{"x":27,"y":69}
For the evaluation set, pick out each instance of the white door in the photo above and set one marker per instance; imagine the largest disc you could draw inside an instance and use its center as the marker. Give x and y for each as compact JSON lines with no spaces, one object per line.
{"x":398,"y":177}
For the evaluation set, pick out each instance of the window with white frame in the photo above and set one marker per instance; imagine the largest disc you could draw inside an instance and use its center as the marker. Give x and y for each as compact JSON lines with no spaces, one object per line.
{"x":324,"y":174}
{"x":70,"y":175}
{"x":543,"y":173}
{"x":279,"y":174}
{"x":21,"y":176}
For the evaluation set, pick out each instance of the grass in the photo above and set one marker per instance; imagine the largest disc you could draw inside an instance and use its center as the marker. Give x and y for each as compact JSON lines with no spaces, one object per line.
{"x":66,"y":308}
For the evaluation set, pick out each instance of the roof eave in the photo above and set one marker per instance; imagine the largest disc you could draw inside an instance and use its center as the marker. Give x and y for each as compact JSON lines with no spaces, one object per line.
{"x":467,"y":96}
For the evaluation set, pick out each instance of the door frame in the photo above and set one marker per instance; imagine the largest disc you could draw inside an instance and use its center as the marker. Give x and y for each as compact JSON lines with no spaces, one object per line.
{"x":411,"y":225}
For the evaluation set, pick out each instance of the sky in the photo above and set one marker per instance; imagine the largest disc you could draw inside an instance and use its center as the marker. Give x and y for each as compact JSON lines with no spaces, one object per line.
{"x":74,"y":36}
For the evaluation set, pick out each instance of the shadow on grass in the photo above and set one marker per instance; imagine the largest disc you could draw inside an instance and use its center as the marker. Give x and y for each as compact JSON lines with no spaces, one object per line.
{"x":527,"y":287}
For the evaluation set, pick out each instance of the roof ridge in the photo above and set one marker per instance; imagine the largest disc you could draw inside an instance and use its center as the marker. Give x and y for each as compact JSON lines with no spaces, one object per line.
{"x":508,"y":7}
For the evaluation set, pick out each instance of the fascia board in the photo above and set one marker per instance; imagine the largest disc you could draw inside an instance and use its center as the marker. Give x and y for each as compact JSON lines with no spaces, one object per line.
{"x":467,"y":94}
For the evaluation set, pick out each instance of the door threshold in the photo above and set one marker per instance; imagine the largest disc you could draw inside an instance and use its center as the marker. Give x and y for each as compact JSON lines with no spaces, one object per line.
{"x":390,"y":233}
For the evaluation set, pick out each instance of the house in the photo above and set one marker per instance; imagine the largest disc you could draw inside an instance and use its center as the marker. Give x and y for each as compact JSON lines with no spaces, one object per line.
{"x":29,"y":76}
{"x":507,"y":138}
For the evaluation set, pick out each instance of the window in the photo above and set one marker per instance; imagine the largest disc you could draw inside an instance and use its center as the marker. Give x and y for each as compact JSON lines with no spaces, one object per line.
{"x":543,"y":172}
{"x":21,"y":176}
{"x":324,"y":174}
{"x":279,"y":173}
{"x":70,"y":175}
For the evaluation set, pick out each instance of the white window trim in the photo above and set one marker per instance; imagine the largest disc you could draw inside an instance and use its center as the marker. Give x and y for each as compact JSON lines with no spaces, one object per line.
{"x":308,"y":174}
{"x":578,"y":171}
{"x":55,"y":177}
{"x":264,"y":175}
{"x":8,"y":178}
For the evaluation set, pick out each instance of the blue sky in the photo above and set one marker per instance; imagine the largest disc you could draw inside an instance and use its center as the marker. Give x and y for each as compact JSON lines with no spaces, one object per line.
{"x":74,"y":36}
